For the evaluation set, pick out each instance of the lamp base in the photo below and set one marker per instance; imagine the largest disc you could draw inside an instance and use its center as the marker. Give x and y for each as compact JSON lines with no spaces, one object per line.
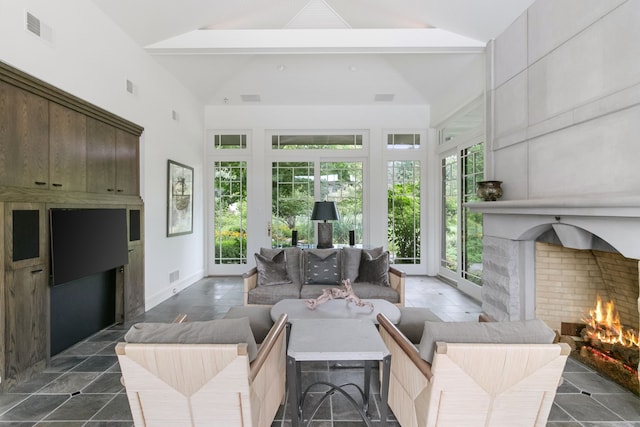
{"x":325,"y":235}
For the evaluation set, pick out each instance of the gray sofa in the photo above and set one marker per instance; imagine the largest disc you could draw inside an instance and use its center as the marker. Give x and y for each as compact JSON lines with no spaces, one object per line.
{"x":286,"y":273}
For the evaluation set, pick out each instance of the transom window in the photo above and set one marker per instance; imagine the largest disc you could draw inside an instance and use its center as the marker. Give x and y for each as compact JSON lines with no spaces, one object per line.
{"x":316,"y":142}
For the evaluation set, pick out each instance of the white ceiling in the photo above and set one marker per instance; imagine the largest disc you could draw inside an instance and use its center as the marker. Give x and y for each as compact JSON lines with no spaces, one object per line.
{"x":315,"y":52}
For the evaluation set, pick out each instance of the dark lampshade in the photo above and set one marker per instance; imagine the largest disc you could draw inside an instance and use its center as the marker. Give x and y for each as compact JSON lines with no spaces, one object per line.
{"x":324,"y":211}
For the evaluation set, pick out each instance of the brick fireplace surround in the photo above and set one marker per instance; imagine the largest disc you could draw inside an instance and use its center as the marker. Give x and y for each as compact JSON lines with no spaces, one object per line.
{"x":548,"y":258}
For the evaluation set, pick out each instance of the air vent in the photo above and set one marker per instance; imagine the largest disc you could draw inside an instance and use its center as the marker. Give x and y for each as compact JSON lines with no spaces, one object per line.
{"x":384,"y":97}
{"x":35,"y":26}
{"x":130,"y":87}
{"x":250,"y":98}
{"x":174,"y":276}
{"x":174,"y":115}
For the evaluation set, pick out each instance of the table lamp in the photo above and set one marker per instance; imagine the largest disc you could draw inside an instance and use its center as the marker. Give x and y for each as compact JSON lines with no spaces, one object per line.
{"x":325,"y":211}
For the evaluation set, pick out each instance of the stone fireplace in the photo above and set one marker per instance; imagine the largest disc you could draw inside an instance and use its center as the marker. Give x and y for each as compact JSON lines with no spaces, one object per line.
{"x":549,"y":259}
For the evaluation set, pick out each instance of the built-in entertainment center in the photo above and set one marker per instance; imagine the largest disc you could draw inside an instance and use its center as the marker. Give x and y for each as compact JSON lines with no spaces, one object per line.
{"x":71,"y":223}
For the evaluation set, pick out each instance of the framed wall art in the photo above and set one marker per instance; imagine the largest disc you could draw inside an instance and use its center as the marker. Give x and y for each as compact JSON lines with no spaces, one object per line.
{"x":180,"y":199}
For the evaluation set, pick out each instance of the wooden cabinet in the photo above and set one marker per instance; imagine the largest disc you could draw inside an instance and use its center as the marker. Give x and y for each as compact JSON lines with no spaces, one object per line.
{"x":24,"y":138}
{"x":127,"y":163}
{"x":112,"y":160}
{"x":67,"y":149}
{"x":26,"y":327}
{"x":134,"y":282}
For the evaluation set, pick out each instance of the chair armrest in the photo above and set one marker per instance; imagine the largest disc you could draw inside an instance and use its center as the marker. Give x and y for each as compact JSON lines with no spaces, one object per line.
{"x":404,"y":344}
{"x":396,"y":281}
{"x":180,"y":318}
{"x":275,"y":333}
{"x":250,"y":279}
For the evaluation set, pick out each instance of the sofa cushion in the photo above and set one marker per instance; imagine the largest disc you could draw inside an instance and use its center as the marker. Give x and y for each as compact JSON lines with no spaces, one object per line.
{"x":314,"y":291}
{"x":517,"y":332}
{"x":351,"y":261}
{"x":292,"y":260}
{"x":270,"y":295}
{"x":272,"y":271}
{"x":220,"y":331}
{"x":322,"y":266}
{"x":259,"y":319}
{"x":367,"y":290}
{"x":374,"y":270}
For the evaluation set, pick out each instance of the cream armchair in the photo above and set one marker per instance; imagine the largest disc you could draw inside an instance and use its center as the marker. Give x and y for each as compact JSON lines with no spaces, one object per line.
{"x":472,"y":384}
{"x":205,"y":384}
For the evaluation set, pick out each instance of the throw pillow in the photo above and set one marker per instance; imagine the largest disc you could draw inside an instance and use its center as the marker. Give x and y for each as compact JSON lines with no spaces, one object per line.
{"x":374,"y":270}
{"x":322,"y":267}
{"x":516,"y":332}
{"x":292,"y":257}
{"x":220,"y":331}
{"x":272,"y":271}
{"x":351,"y":261}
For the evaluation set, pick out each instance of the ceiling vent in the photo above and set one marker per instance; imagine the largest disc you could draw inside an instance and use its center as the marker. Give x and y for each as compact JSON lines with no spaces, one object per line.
{"x":384,"y":97}
{"x":250,"y":98}
{"x":35,"y":26}
{"x":317,"y":14}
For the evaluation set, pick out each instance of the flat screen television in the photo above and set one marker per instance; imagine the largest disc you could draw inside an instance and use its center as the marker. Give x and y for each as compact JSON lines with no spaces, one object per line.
{"x":86,"y":241}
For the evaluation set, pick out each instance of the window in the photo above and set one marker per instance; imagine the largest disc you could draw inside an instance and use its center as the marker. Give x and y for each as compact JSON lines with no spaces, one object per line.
{"x":403,"y":211}
{"x":316,"y":142}
{"x":222,"y":142}
{"x":449,"y":249}
{"x":403,"y":141}
{"x":230,"y":209}
{"x":292,"y":192}
{"x":341,"y":182}
{"x":472,"y":162}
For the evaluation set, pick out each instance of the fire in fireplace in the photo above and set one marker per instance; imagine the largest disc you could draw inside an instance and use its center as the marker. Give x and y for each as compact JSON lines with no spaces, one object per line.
{"x":609,"y":347}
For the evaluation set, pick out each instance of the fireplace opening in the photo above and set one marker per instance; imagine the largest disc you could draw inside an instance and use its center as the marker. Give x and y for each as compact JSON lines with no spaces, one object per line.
{"x":591,"y":297}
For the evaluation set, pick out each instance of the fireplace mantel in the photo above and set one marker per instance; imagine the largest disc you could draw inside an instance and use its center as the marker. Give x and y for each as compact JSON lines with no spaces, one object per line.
{"x":614,"y":219}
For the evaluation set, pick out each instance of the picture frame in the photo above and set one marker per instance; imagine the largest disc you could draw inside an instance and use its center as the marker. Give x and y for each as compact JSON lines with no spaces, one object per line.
{"x":179,"y":199}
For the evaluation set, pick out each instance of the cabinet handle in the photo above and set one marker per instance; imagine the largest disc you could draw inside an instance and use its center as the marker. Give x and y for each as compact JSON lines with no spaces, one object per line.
{"x":130,"y":250}
{"x":109,"y":189}
{"x":57,"y":185}
{"x":40,"y":270}
{"x":40,"y":183}
{"x":120,"y":191}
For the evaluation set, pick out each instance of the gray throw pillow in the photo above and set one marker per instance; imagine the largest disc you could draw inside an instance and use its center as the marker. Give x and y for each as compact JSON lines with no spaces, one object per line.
{"x":220,"y":331}
{"x":517,"y":332}
{"x":374,"y":270}
{"x":351,"y":261}
{"x":292,"y":260}
{"x":272,"y":271}
{"x":322,"y":267}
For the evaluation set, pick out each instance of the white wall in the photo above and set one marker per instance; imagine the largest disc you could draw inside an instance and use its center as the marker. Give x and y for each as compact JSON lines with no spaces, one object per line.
{"x":374,"y":120}
{"x":567,"y":100}
{"x":90,"y":58}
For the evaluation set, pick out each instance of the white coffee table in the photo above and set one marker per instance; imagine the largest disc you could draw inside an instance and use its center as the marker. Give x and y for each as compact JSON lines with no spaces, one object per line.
{"x":335,"y":309}
{"x":336,"y":340}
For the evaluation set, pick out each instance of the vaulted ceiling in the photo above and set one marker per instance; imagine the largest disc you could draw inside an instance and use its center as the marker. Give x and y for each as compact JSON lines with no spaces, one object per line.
{"x":315,"y":52}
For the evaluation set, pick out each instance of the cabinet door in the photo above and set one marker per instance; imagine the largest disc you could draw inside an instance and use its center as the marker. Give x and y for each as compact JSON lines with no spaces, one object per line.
{"x":127,"y":163}
{"x":24,"y":138}
{"x":134,"y":283}
{"x":67,"y":149}
{"x":101,"y":157}
{"x":25,"y":235}
{"x":26,"y":333}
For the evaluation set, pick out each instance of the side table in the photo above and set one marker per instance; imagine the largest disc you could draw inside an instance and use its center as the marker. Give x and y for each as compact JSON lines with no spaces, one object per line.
{"x":336,"y":340}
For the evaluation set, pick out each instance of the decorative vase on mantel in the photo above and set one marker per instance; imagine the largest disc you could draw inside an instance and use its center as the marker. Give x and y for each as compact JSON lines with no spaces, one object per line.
{"x":489,"y":191}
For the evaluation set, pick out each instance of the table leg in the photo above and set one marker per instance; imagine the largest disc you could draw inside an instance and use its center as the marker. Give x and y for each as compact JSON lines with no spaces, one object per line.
{"x":294,"y":383}
{"x":367,"y":385}
{"x":384,"y":390}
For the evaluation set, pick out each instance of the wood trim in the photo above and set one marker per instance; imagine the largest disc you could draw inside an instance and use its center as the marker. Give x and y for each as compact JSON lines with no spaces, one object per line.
{"x":410,"y":350}
{"x":38,"y":87}
{"x":265,"y":349}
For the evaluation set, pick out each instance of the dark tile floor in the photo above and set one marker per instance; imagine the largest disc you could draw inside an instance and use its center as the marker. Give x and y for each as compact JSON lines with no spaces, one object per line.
{"x":81,"y":387}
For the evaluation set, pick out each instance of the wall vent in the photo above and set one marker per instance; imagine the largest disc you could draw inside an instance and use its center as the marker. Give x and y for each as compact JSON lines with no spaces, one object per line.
{"x":35,"y":26}
{"x":250,"y":98}
{"x":174,"y":115}
{"x":384,"y":97}
{"x":130,"y":87}
{"x":174,"y":276}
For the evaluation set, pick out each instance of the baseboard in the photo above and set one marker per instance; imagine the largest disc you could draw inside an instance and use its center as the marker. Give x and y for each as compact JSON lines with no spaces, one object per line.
{"x":171,"y":290}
